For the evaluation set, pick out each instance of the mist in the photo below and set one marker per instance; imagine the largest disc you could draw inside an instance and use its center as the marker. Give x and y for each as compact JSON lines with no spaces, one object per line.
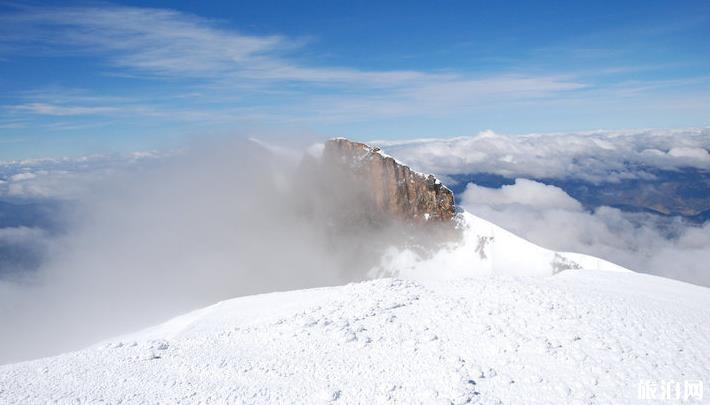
{"x":225,"y":218}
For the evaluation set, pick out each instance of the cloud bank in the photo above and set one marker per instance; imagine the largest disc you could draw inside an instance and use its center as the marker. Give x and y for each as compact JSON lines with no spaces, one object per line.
{"x":597,"y":157}
{"x":68,"y":178}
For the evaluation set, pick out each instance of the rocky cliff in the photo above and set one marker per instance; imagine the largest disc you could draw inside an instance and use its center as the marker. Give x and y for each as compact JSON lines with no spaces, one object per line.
{"x":390,"y":188}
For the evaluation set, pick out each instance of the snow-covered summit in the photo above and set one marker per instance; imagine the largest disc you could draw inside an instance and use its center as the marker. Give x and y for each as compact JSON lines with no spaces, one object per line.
{"x":490,"y":319}
{"x":579,"y":337}
{"x":485,"y":248}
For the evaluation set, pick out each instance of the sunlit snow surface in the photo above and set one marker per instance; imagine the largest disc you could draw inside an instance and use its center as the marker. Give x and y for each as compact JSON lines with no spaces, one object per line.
{"x":476,"y":330}
{"x":485,"y":248}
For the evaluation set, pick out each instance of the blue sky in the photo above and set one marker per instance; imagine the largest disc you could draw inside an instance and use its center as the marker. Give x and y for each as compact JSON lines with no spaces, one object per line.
{"x":92,"y":77}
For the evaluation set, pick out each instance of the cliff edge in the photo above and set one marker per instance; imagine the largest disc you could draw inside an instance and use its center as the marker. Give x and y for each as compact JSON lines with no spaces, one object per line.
{"x":392,"y":188}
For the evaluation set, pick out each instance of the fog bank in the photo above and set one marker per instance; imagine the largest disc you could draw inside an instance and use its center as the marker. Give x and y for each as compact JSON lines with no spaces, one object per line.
{"x":223,"y":219}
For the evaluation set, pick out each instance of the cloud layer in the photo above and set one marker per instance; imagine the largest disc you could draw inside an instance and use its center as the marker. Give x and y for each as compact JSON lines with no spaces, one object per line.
{"x":67,"y":178}
{"x":597,"y":157}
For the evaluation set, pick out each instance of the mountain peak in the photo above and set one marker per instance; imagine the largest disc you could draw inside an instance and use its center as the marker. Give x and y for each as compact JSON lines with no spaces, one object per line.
{"x":393,"y":188}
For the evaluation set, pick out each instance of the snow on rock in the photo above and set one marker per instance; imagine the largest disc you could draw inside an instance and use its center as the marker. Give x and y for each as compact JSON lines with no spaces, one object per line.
{"x":576,"y":337}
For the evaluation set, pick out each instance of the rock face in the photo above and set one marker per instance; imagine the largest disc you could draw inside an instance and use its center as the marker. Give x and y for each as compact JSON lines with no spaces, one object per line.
{"x":391,"y":188}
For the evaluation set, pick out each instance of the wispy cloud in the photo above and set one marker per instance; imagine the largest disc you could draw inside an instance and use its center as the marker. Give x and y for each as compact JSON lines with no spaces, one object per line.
{"x":213,"y":74}
{"x":61,"y":110}
{"x":173,"y":44}
{"x":11,"y":124}
{"x":150,"y":40}
{"x":170,"y":44}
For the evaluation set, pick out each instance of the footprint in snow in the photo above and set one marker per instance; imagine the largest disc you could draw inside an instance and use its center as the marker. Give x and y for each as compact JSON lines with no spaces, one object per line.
{"x":159,"y":345}
{"x":329,"y":395}
{"x":348,"y":336}
{"x":428,"y":337}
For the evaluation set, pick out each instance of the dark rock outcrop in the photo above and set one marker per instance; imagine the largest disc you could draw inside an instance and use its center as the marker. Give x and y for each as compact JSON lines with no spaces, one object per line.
{"x":390,"y":188}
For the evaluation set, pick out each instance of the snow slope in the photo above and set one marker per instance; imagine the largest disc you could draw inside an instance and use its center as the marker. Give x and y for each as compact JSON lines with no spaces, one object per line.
{"x":485,"y":249}
{"x":476,"y":329}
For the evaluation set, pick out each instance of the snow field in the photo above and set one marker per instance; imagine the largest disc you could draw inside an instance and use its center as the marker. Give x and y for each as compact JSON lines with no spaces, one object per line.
{"x":571,"y":338}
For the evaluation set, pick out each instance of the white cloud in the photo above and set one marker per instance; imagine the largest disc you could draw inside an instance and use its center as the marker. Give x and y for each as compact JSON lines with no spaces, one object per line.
{"x":67,"y":178}
{"x":599,"y":156}
{"x":152,"y":40}
{"x":55,"y":184}
{"x":523,"y":192}
{"x":219,"y":75}
{"x":694,"y":154}
{"x":168,"y":44}
{"x":22,"y":176}
{"x":22,"y":234}
{"x":53,"y":109}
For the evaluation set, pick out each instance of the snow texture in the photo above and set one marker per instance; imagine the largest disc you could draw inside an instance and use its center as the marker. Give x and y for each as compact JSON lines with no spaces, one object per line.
{"x":576,"y":334}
